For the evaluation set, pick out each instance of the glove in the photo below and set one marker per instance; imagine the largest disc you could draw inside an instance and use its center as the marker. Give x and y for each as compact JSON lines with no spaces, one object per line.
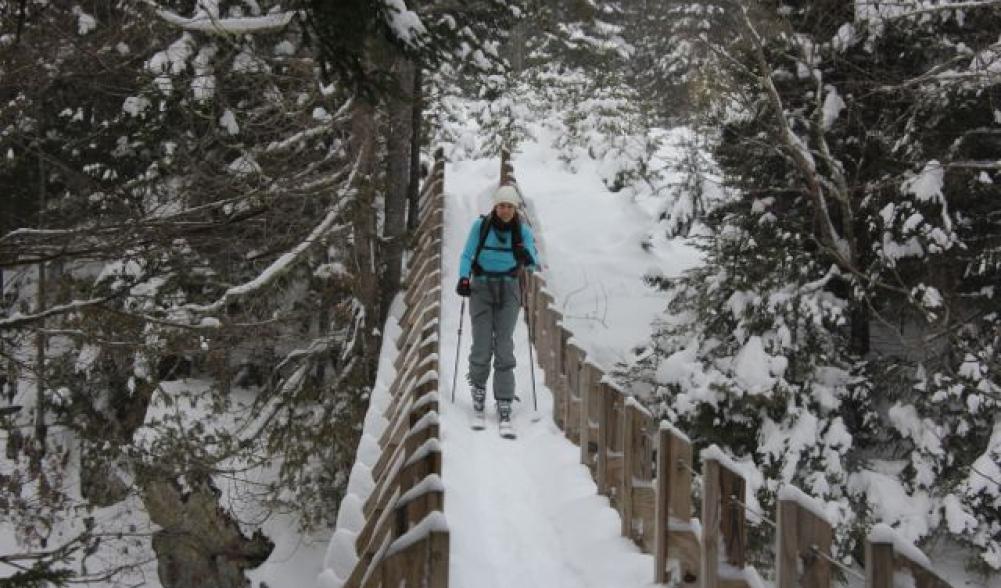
{"x":522,"y":256}
{"x":463,"y":289}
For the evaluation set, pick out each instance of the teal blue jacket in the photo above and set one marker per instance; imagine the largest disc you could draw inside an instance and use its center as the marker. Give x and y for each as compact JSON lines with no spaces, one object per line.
{"x":497,"y":254}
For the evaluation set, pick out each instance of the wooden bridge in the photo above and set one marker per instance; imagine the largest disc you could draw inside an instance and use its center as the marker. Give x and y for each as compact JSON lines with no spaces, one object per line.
{"x":644,"y":466}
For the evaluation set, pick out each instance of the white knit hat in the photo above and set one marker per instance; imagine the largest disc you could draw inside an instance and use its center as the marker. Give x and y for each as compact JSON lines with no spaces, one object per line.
{"x":508,"y":194}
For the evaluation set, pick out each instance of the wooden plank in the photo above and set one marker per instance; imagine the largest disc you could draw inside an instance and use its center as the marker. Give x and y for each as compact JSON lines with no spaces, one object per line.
{"x":709,"y":573}
{"x":644,"y":511}
{"x":595,"y":399}
{"x":562,"y":379}
{"x":627,"y":426}
{"x":662,"y":507}
{"x":681,"y":501}
{"x":787,"y":545}
{"x":734,"y":517}
{"x":574,"y":364}
{"x":643,"y":494}
{"x":604,"y":394}
{"x":613,"y":401}
{"x":547,"y":341}
{"x":584,"y":438}
{"x":438,"y":560}
{"x":573,"y":419}
{"x":815,"y":533}
{"x":564,"y":406}
{"x":685,"y":547}
{"x":878,"y":565}
{"x":923,"y":577}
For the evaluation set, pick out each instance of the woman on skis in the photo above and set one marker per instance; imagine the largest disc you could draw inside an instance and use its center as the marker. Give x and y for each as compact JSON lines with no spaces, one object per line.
{"x":498,"y":247}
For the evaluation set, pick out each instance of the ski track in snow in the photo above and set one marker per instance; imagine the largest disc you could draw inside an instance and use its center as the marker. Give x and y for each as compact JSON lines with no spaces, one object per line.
{"x":521,"y":513}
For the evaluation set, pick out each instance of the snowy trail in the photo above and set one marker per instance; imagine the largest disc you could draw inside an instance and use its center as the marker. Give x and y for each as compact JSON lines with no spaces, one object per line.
{"x":521,"y":513}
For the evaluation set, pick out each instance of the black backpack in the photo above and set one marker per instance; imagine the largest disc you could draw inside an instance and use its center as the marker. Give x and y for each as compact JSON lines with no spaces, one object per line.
{"x":485,"y":225}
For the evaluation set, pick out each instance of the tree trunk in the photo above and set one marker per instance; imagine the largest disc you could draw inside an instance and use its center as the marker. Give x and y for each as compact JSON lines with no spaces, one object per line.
{"x":365,"y":237}
{"x":416,"y":120}
{"x":517,"y":42}
{"x":199,"y":543}
{"x":398,"y":140}
{"x":40,"y":341}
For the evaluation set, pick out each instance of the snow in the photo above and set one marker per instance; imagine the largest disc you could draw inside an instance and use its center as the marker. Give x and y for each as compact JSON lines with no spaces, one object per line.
{"x":432,"y":483}
{"x":434,"y":522}
{"x":88,"y":355}
{"x":833,"y":105}
{"x":430,"y":446}
{"x":883,"y":533}
{"x":172,"y":61}
{"x":208,"y":23}
{"x":666,"y":426}
{"x":927,"y":185}
{"x":135,"y":105}
{"x":891,"y":503}
{"x":404,"y":22}
{"x":791,"y":493}
{"x":751,"y":367}
{"x":957,"y":518}
{"x":593,"y":243}
{"x":228,"y":122}
{"x":85,"y":22}
{"x":986,"y":470}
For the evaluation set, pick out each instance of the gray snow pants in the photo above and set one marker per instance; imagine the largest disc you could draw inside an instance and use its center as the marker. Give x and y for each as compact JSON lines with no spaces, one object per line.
{"x":493,"y":309}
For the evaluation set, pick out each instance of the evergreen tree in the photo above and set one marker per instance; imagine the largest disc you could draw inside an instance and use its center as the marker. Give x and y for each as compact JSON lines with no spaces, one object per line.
{"x":858,"y":139}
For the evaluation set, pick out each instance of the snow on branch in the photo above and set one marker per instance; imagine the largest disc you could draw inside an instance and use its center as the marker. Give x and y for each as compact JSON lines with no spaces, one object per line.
{"x":404,"y":23}
{"x":946,"y":6}
{"x":22,"y":319}
{"x":207,"y":23}
{"x":287,"y":260}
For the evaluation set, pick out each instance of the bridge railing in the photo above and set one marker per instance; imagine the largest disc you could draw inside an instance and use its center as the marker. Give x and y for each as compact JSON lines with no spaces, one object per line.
{"x":645,"y":468}
{"x":404,"y":540}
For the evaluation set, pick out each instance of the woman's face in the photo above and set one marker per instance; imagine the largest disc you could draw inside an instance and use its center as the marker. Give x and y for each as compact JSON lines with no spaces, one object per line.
{"x":505,"y":211}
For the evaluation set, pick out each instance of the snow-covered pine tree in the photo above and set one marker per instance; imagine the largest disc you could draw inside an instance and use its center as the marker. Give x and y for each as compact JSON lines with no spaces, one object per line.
{"x":842,"y":331}
{"x":197,"y":188}
{"x":186,"y":198}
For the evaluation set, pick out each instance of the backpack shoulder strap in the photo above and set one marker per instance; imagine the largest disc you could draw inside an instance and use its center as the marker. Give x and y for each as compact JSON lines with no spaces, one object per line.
{"x":485,"y":221}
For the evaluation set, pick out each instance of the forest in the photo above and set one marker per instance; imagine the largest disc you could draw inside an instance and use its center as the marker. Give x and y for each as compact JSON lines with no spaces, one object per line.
{"x":206,"y":208}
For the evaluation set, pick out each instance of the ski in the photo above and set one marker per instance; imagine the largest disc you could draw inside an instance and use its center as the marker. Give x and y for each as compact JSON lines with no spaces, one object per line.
{"x":477,"y":421}
{"x":506,"y":430}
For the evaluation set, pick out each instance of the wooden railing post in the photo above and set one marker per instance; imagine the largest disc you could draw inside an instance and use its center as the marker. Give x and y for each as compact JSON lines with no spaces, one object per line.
{"x":506,"y":169}
{"x":888,"y":555}
{"x":574,"y":361}
{"x":878,"y":564}
{"x":595,"y":398}
{"x":711,"y":496}
{"x":604,"y":431}
{"x":438,"y":560}
{"x":674,"y":506}
{"x":724,"y":521}
{"x":584,"y":386}
{"x":733,"y":525}
{"x":627,"y":426}
{"x":549,"y":320}
{"x":562,"y":377}
{"x":803,"y":534}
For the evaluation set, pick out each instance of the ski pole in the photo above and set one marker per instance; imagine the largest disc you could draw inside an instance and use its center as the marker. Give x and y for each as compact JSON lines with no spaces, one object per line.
{"x":531,"y":362}
{"x":523,"y":283}
{"x":458,"y":347}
